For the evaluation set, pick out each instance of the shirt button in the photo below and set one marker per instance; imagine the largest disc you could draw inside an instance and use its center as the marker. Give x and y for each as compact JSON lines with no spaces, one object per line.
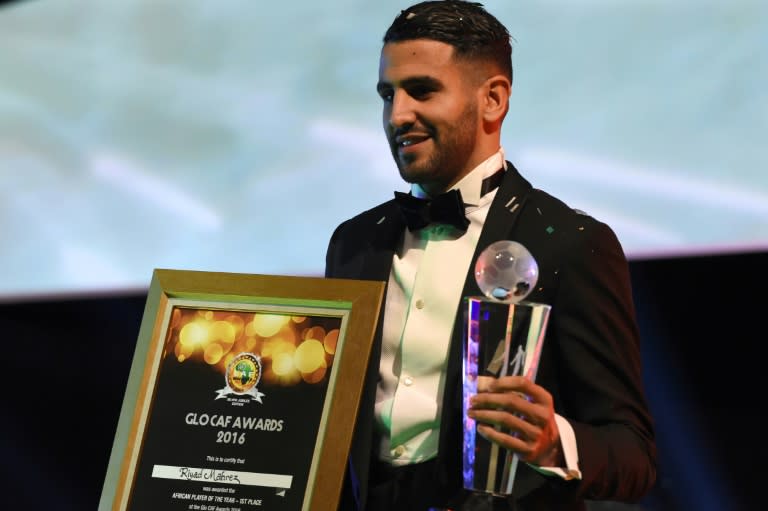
{"x":408,"y":381}
{"x":419,"y":303}
{"x":398,"y":451}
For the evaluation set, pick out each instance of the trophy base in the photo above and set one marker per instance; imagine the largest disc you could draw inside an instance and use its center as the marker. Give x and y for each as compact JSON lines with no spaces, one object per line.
{"x":480,"y":501}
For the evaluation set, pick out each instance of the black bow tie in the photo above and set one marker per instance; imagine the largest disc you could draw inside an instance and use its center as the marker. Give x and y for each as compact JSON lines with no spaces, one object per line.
{"x":446,"y":208}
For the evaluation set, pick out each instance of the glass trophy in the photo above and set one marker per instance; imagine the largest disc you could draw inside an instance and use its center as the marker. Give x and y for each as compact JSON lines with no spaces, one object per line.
{"x":503,"y":337}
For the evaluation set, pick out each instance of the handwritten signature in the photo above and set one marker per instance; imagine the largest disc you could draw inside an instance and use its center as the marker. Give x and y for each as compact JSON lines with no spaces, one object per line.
{"x":208,"y":474}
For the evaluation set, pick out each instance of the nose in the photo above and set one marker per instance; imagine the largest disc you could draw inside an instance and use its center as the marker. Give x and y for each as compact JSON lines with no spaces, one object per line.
{"x":401,"y":111}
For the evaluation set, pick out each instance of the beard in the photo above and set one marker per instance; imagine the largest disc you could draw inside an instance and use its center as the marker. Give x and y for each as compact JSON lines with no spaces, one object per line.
{"x":446,"y":161}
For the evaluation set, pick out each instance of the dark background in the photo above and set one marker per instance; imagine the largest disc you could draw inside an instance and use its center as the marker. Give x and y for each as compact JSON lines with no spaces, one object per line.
{"x":702,"y":321}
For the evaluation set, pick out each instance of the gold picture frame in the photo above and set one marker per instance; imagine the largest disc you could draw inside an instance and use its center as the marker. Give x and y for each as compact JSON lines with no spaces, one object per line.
{"x":242,"y":393}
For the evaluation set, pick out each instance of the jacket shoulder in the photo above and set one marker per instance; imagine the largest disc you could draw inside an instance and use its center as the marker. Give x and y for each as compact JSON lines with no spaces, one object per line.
{"x":374,"y":214}
{"x":374,"y":228}
{"x":554,"y":206}
{"x":556,"y":228}
{"x":556,"y":212}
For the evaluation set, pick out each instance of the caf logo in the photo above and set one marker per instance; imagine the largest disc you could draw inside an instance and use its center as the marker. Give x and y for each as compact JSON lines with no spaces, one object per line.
{"x":244,"y":373}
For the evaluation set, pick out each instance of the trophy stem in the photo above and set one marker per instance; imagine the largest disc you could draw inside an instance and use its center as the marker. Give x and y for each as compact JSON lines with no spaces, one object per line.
{"x":509,"y":472}
{"x":493,"y":462}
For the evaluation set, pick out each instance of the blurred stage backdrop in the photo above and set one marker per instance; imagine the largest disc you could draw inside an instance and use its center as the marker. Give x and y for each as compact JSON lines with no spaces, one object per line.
{"x":234,"y":136}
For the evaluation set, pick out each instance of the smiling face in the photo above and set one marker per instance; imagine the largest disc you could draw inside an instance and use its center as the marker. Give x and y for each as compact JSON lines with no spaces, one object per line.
{"x":431,"y":113}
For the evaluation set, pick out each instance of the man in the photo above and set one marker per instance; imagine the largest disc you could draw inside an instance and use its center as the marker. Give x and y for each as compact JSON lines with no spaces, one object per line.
{"x":583,"y":431}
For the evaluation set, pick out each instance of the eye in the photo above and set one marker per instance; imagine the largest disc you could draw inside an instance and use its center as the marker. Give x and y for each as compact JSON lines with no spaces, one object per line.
{"x":420,"y":92}
{"x":386,"y":94}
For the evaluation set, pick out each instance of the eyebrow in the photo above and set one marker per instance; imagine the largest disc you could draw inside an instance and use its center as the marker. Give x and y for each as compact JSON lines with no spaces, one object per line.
{"x":414,"y":81}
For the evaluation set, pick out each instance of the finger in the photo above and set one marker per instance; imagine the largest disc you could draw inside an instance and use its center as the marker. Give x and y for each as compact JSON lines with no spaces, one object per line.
{"x":507,"y":383}
{"x":512,"y":443}
{"x":510,"y":423}
{"x":484,"y":383}
{"x":513,"y":383}
{"x":523,"y":385}
{"x":535,"y":417}
{"x":510,"y":402}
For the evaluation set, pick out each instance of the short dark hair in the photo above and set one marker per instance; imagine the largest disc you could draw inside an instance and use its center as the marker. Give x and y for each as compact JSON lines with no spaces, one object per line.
{"x":473,"y":32}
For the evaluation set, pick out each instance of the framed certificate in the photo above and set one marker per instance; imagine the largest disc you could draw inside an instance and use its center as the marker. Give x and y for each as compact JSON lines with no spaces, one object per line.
{"x":242,"y":394}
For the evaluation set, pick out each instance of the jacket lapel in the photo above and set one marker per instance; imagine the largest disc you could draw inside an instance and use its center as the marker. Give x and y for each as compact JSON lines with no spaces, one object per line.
{"x":501,"y":219}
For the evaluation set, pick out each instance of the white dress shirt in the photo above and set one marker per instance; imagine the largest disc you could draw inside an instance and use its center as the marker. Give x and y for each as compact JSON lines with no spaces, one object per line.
{"x":424,"y":291}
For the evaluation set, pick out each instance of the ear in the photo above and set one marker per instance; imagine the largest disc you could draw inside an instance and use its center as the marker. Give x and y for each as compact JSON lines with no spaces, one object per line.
{"x":495,"y":101}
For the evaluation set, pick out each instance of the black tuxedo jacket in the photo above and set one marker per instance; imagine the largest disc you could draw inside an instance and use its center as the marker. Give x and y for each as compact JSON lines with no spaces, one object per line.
{"x":590,"y":360}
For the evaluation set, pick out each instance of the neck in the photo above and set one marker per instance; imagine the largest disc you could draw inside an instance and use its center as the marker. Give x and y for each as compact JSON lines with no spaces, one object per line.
{"x":493,"y":159}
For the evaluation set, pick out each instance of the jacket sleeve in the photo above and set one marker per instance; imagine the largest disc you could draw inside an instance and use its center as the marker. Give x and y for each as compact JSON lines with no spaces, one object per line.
{"x":600,"y":370}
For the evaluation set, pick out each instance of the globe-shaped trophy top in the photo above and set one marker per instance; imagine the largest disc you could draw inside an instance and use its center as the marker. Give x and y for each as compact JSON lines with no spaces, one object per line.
{"x":506,"y":271}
